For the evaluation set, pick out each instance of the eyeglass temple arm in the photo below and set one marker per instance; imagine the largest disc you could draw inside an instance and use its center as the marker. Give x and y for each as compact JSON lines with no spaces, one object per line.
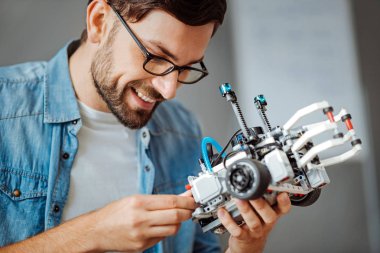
{"x":134,"y":37}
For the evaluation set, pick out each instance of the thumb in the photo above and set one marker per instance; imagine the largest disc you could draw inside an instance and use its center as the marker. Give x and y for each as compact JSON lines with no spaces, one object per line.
{"x":187,"y":193}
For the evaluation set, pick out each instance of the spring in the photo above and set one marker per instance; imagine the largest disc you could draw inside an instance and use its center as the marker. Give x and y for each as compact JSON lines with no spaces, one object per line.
{"x":265,"y":119}
{"x":241,"y":118}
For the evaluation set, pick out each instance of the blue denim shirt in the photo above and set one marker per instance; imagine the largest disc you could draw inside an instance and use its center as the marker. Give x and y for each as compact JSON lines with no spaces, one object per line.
{"x":39,"y":122}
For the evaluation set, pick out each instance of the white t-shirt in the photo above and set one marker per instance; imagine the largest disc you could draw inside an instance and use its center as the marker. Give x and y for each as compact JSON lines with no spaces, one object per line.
{"x":105,"y":167}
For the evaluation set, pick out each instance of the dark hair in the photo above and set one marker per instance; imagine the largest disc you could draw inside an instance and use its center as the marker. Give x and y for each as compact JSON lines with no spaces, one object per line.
{"x":190,"y":12}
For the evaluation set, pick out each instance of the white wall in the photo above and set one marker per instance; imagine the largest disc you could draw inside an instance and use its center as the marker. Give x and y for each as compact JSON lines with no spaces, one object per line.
{"x":35,"y":30}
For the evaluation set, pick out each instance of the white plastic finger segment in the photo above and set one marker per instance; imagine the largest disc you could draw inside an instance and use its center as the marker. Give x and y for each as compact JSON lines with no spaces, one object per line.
{"x":303,"y":112}
{"x":337,"y":118}
{"x":343,"y":157}
{"x":320,"y":148}
{"x":321,"y":128}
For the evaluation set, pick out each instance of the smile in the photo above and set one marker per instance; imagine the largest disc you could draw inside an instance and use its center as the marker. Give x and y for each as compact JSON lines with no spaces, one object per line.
{"x":144,"y":97}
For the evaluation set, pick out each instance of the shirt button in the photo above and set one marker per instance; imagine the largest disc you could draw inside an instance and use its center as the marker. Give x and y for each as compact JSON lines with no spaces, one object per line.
{"x":16,"y":193}
{"x":144,"y":134}
{"x":147,"y":168}
{"x":65,"y":156}
{"x":56,"y":208}
{"x":74,"y":122}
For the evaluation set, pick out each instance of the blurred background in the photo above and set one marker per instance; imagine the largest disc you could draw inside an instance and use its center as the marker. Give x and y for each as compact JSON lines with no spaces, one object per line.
{"x":296,"y":52}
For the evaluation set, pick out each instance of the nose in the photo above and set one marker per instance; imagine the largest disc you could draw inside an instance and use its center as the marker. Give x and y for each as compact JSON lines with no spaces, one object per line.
{"x":166,"y":85}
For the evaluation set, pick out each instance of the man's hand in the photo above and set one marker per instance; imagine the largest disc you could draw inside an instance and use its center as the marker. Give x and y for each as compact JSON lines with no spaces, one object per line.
{"x":131,"y":224}
{"x":138,"y":222}
{"x":259,"y":219}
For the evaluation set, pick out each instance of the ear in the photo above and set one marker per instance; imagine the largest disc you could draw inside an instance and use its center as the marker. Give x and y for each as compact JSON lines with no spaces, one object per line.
{"x":96,"y":20}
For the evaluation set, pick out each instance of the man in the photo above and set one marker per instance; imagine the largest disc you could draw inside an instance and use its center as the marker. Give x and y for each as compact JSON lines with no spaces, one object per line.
{"x":79,"y":138}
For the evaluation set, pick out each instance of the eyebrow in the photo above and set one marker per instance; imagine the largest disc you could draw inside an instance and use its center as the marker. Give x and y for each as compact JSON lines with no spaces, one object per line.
{"x":168,"y":53}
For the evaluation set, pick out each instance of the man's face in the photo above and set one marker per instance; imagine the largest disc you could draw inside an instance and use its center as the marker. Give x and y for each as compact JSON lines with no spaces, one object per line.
{"x":129,"y":91}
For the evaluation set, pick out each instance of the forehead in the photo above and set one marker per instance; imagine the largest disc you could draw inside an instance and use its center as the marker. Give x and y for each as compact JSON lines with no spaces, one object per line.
{"x":162,"y":28}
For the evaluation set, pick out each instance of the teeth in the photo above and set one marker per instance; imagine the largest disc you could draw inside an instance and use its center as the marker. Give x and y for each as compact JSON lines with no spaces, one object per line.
{"x":145,"y":98}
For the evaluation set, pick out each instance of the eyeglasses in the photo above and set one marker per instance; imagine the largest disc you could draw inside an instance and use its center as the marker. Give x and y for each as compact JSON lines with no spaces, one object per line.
{"x":160,"y":66}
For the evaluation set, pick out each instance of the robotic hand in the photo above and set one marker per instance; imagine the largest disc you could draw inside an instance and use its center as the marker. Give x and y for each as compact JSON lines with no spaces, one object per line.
{"x":262,"y":164}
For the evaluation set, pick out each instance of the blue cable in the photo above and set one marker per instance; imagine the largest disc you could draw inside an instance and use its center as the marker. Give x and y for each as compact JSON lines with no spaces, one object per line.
{"x":206,"y":159}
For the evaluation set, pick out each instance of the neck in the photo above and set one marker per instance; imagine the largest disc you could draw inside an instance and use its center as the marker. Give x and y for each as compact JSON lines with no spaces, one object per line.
{"x":80,"y":71}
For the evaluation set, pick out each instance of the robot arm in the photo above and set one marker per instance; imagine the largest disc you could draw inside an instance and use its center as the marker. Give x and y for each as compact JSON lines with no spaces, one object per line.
{"x":262,"y":164}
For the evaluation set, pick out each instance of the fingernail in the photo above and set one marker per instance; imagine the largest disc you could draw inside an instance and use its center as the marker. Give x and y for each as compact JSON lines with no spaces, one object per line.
{"x":186,"y":194}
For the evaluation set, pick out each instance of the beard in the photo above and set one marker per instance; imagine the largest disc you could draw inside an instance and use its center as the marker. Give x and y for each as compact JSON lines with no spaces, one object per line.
{"x":106,"y":86}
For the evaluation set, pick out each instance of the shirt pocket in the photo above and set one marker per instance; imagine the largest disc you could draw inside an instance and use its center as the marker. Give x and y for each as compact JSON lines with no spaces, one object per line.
{"x":22,"y":204}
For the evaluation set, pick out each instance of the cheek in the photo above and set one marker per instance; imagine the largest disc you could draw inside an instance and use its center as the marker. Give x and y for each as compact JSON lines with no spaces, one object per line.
{"x":129,"y":67}
{"x":127,"y":58}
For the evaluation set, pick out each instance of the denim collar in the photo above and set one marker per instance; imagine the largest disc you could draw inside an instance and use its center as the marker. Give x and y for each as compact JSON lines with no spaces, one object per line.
{"x":60,"y":103}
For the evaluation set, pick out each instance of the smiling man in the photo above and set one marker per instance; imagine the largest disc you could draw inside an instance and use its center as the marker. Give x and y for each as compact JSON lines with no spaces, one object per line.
{"x":95,"y":154}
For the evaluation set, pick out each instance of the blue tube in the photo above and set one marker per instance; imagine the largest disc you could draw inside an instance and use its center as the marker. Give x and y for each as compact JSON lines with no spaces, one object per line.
{"x":205,"y":141}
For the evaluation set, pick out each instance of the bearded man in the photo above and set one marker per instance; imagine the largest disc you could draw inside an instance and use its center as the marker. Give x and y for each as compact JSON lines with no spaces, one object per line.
{"x":95,"y":153}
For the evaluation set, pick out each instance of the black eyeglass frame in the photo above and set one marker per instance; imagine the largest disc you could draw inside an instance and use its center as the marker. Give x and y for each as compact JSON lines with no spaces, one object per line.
{"x":149,"y":56}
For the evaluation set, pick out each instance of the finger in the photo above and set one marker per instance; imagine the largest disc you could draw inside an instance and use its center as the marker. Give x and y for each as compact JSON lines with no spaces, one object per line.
{"x":189,"y":193}
{"x":229,"y":223}
{"x":186,"y":194}
{"x":169,"y":217}
{"x":283,"y":203}
{"x":264,"y":210}
{"x":250,"y":217}
{"x":161,"y":202}
{"x":162,"y":231}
